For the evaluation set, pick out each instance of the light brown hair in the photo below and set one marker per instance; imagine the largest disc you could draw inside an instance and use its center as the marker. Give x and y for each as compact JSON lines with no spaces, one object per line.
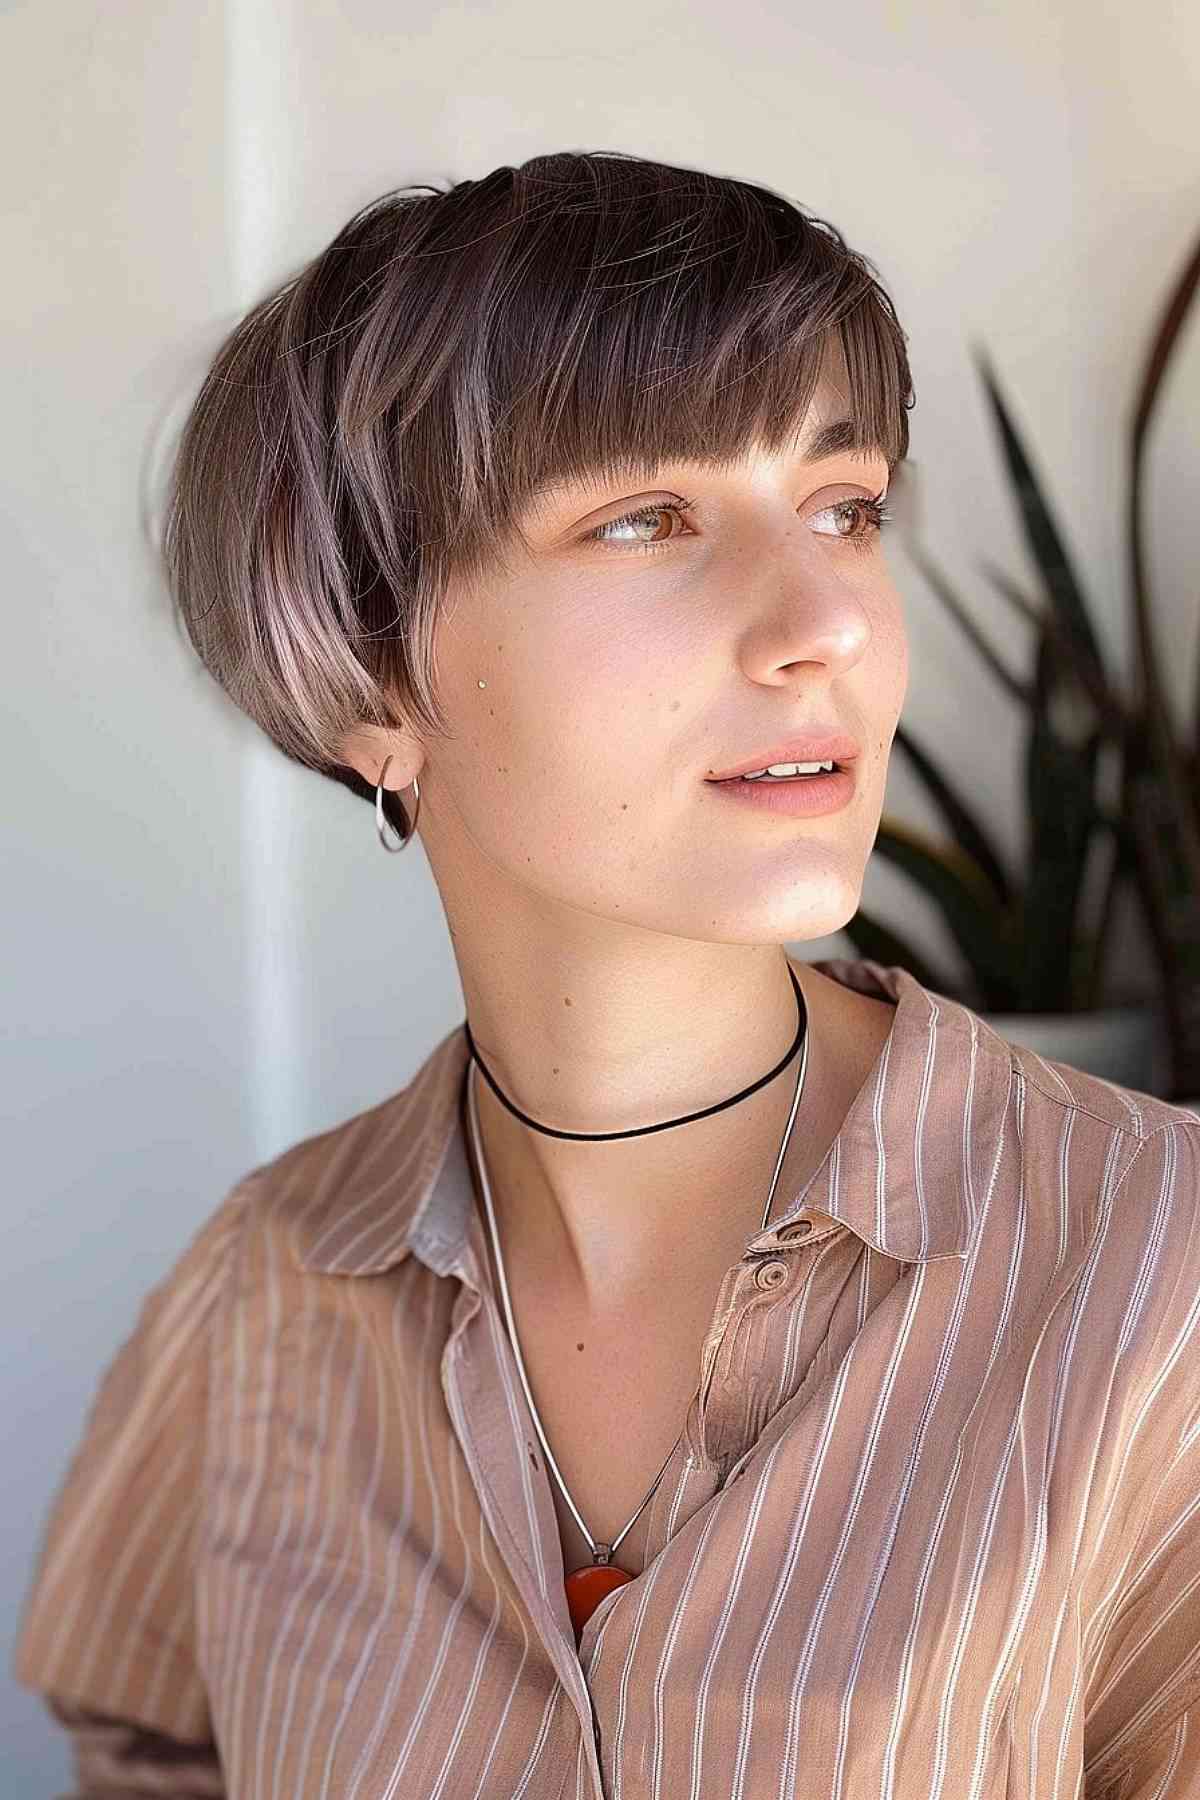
{"x":373,"y":428}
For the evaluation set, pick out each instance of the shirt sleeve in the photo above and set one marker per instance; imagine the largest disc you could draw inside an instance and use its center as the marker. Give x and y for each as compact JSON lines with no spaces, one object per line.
{"x":1143,"y":1724}
{"x":108,"y":1631}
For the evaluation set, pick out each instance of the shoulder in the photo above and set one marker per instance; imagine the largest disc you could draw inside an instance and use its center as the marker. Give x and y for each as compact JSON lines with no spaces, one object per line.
{"x":1109,"y":1138}
{"x":337,"y":1181}
{"x":1137,"y":1302}
{"x":180,"y":1304}
{"x":1157,"y":1216}
{"x":1110,"y":1103}
{"x":344,"y":1200}
{"x":1101,"y":1183}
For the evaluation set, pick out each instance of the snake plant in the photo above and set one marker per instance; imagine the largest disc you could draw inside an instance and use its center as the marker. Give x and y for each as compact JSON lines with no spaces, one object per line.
{"x":1022,"y":933}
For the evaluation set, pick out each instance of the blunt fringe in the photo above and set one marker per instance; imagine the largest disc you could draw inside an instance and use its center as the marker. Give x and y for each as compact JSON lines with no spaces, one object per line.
{"x":373,"y":429}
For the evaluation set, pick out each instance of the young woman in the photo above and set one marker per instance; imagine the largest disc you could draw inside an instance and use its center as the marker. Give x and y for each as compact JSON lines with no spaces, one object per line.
{"x":715,"y":1373}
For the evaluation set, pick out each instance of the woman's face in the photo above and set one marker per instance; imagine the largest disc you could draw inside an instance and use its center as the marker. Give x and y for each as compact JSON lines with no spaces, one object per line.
{"x":594,"y":686}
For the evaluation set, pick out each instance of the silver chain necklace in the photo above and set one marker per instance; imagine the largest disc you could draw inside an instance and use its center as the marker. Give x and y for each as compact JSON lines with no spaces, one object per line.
{"x":601,"y":1553}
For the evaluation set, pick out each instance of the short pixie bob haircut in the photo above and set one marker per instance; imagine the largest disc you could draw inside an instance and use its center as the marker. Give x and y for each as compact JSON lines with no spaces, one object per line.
{"x":372,"y":430}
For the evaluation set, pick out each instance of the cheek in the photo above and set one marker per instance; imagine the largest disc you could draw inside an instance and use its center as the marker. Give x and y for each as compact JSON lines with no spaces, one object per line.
{"x":511,"y":684}
{"x":889,"y":645}
{"x":547,"y":716}
{"x":579,"y":693}
{"x":895,"y":642}
{"x":902,"y":662}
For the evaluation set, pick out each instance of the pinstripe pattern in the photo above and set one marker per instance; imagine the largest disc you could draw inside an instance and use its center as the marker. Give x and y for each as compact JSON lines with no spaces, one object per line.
{"x":933,"y":1530}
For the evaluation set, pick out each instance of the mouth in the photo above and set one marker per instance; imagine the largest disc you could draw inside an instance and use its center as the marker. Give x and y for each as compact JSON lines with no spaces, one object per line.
{"x":792,"y":796}
{"x":839,"y":768}
{"x":815,"y":745}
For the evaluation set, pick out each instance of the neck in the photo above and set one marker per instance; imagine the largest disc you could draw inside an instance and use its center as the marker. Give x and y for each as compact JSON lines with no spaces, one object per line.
{"x":613,"y":1218}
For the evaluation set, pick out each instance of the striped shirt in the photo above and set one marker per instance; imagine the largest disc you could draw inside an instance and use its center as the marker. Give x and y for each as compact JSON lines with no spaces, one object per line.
{"x":935,"y":1530}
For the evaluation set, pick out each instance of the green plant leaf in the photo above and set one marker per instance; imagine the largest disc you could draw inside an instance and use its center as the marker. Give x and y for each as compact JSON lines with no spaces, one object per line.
{"x":878,"y":943}
{"x":964,"y":827}
{"x":1117,"y":874}
{"x":1168,"y":885}
{"x":964,"y":896}
{"x":1019,"y":690}
{"x":1060,"y":768}
{"x":1041,"y":532}
{"x":1158,"y":797}
{"x":1060,"y":784}
{"x":1110,"y":706}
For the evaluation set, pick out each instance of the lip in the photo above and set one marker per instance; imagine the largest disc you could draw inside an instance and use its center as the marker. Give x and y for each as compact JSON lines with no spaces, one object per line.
{"x":814,"y":746}
{"x":802,"y":798}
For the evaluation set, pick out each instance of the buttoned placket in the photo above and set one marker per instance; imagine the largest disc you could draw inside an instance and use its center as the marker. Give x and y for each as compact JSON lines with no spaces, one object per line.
{"x":764,"y":1268}
{"x":767,"y":1266}
{"x":700,"y":1466}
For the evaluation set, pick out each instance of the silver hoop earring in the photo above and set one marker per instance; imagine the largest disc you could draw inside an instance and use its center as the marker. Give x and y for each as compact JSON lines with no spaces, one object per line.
{"x":379,"y":818}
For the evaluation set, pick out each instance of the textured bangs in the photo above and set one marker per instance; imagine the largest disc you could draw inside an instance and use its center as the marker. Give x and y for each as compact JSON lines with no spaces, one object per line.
{"x":377,"y":428}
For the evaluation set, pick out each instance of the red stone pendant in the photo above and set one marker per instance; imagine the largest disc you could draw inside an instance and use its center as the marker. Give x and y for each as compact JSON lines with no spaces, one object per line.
{"x":586,"y":1588}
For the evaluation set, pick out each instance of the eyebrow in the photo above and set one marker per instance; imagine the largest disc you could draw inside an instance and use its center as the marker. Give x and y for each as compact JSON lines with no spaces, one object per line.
{"x":830,"y":440}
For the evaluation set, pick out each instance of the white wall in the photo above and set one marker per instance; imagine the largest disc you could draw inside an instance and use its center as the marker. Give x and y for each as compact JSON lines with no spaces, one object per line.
{"x":208,"y":955}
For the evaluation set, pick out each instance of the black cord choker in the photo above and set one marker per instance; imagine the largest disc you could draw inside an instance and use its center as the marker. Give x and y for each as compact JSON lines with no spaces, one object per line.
{"x":641,"y":1130}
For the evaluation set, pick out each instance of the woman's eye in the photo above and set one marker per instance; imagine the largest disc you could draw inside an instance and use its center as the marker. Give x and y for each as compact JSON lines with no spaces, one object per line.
{"x":644,"y":515}
{"x":873,"y":510}
{"x":858,"y":520}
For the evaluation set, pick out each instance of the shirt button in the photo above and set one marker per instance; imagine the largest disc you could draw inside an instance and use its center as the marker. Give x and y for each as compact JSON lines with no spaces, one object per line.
{"x":798,"y":1228}
{"x":770,"y":1274}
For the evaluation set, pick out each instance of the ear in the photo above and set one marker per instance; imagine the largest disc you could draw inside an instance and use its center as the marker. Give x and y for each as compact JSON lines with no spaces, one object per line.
{"x":367,"y":747}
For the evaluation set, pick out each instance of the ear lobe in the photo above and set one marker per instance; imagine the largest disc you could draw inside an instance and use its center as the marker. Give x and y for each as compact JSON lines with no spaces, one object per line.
{"x":367,"y":748}
{"x":364,"y":750}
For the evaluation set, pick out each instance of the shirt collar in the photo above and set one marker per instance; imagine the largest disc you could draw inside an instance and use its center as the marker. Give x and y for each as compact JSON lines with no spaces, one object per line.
{"x":909,"y":1171}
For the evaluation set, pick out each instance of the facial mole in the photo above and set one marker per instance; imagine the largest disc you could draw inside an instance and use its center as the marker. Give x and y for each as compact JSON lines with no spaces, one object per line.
{"x":579,"y":1346}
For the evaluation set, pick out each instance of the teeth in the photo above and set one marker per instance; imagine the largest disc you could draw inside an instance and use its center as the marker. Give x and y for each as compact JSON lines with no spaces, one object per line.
{"x":789,"y":769}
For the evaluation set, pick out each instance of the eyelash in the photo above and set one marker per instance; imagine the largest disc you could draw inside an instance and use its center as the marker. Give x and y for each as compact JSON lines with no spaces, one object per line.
{"x":874,"y":508}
